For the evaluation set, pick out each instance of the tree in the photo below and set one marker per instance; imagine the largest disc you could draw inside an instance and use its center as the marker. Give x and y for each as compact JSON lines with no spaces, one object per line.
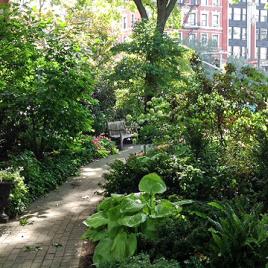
{"x":45,"y":85}
{"x":164,"y":10}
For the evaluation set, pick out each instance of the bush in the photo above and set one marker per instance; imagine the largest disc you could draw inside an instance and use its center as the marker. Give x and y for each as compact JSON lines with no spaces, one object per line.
{"x":46,"y":90}
{"x":182,"y":174}
{"x":104,"y":146}
{"x":19,"y":197}
{"x":179,"y":239}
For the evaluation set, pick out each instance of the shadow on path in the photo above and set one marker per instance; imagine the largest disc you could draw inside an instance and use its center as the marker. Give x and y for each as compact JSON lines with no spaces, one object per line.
{"x":52,"y":236}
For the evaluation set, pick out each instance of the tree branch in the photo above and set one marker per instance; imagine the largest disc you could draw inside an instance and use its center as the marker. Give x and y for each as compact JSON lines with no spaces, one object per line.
{"x":141,"y":9}
{"x":170,"y":7}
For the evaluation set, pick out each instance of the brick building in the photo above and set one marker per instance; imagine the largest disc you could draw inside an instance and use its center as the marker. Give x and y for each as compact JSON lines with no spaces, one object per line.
{"x":129,"y":18}
{"x":206,"y":22}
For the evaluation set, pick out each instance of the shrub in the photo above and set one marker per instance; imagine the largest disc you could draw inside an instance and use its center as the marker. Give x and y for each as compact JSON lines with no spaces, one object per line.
{"x":182,"y":174}
{"x":31,"y":171}
{"x":179,"y":239}
{"x":120,"y":218}
{"x":46,"y":90}
{"x":19,"y":197}
{"x":104,"y":146}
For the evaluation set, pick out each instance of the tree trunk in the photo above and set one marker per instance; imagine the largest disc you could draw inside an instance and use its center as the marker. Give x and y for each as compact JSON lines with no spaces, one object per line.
{"x":164,"y":9}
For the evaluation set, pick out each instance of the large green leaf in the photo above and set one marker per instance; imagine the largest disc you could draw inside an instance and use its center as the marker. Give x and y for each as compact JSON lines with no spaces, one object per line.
{"x":94,"y":235}
{"x":132,"y":244}
{"x":183,"y":202}
{"x":133,"y":221}
{"x":114,"y":213}
{"x":102,"y":253}
{"x":149,"y":228}
{"x":96,"y":220}
{"x":152,"y":183}
{"x":164,"y":209}
{"x":131,"y":205}
{"x":119,"y":247}
{"x":106,"y":203}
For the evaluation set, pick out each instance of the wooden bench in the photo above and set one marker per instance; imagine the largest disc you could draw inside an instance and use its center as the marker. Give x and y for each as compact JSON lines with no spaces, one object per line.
{"x":118,"y":130}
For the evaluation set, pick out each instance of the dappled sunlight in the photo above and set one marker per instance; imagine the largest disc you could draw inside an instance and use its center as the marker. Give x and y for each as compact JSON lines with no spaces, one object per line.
{"x":91,"y":172}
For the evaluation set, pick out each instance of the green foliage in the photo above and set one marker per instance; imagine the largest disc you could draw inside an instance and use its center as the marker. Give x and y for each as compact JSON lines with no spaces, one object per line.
{"x":104,"y":146}
{"x":178,"y":238}
{"x":46,"y":85}
{"x":182,"y":174}
{"x":151,"y":66}
{"x":19,"y":197}
{"x":152,"y":184}
{"x":43,"y":176}
{"x":143,"y":261}
{"x":119,"y":219}
{"x":239,"y":239}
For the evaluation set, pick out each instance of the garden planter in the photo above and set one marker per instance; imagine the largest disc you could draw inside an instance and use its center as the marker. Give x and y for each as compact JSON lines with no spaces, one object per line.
{"x":5,"y":189}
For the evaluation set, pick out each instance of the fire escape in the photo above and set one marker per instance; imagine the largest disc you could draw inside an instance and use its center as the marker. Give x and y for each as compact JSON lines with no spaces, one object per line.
{"x":187,"y":6}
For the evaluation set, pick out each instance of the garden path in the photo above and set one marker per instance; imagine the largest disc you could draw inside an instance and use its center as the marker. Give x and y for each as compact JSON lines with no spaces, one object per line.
{"x":51,"y":237}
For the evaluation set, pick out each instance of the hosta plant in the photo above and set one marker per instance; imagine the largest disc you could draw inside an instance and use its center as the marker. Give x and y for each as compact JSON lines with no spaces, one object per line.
{"x":120,"y":219}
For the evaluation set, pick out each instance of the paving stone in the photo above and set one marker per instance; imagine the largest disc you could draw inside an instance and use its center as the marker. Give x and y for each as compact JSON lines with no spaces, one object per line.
{"x":56,"y":220}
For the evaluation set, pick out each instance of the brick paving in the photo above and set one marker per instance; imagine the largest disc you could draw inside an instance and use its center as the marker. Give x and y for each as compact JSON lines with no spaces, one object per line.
{"x":51,"y":238}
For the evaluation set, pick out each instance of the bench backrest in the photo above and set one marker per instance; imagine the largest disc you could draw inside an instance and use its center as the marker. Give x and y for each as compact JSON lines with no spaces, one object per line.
{"x":116,"y":127}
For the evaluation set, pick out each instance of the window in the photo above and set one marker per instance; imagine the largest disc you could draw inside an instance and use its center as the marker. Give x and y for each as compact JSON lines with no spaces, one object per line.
{"x":230,"y":33}
{"x":263,"y":15}
{"x":132,"y":20}
{"x":258,"y":34}
{"x":215,"y":40}
{"x":230,"y":13}
{"x":257,"y":15}
{"x":204,"y":19}
{"x":204,"y":2}
{"x":215,"y":20}
{"x":243,"y":52}
{"x":263,"y":53}
{"x":236,"y":51}
{"x":243,"y":33}
{"x":204,"y":39}
{"x":192,"y":38}
{"x":192,"y":19}
{"x":180,"y":37}
{"x":125,"y":22}
{"x":236,"y":33}
{"x":216,"y":2}
{"x":243,"y":14}
{"x":263,"y":34}
{"x":237,"y":13}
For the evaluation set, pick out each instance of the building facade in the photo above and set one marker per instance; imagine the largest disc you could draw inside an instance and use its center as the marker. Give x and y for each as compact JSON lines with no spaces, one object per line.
{"x":248,"y":32}
{"x":129,"y":18}
{"x":206,"y":22}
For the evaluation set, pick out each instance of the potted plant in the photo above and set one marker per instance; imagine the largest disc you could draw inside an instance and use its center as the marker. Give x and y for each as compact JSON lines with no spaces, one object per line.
{"x":6,"y":183}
